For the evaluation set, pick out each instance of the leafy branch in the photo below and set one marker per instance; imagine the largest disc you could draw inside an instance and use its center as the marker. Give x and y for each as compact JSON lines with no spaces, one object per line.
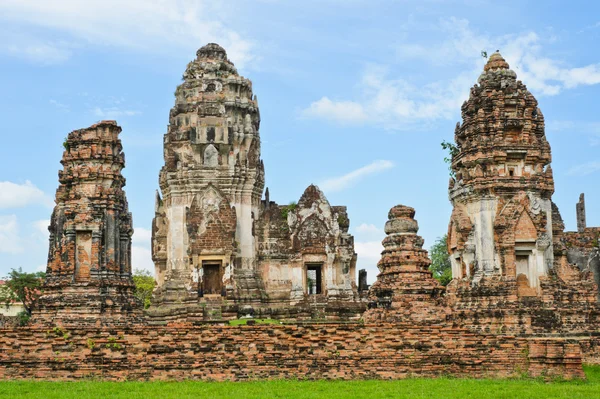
{"x":452,"y":152}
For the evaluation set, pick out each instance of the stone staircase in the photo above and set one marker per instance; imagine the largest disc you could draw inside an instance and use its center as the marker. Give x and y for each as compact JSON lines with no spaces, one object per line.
{"x":317,"y":305}
{"x":212,"y":307}
{"x":249,"y":287}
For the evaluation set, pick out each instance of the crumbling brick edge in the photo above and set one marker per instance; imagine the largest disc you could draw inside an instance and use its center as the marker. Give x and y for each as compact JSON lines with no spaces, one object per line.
{"x":324,"y":351}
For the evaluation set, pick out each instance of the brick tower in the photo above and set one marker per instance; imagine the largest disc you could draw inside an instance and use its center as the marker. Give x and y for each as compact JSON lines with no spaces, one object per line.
{"x":211,"y":185}
{"x":501,"y":224}
{"x":88,"y":277}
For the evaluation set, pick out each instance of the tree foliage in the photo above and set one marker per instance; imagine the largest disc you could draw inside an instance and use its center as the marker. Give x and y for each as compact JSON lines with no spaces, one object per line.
{"x":144,"y":285}
{"x":22,"y":287}
{"x":452,"y":152}
{"x":440,"y":261}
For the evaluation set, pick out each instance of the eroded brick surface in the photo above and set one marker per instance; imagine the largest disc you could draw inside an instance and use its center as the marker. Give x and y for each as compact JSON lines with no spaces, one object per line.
{"x":405,"y":289}
{"x":220,"y":251}
{"x":508,"y":249}
{"x":88,"y":278}
{"x":517,"y":304}
{"x":329,"y":351}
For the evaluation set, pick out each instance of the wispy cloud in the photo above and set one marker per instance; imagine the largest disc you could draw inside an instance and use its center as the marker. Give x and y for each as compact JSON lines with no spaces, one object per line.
{"x":350,"y":179}
{"x":10,"y":241}
{"x":41,"y":227}
{"x":369,"y":253}
{"x":141,"y":235}
{"x":368,"y":228}
{"x":60,"y":106}
{"x":584,"y":169}
{"x":591,"y":129}
{"x":400,"y":104}
{"x":395,"y":103}
{"x":151,"y":26}
{"x":141,"y":258}
{"x":13,"y":195}
{"x":113,"y":112}
{"x":343,"y":112}
{"x":525,"y":53}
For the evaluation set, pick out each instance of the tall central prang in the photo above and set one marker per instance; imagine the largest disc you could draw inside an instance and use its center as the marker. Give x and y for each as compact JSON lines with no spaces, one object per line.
{"x":212,"y":180}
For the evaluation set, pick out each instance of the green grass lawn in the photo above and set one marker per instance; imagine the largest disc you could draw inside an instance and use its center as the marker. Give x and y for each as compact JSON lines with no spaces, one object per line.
{"x":243,"y":322}
{"x":412,"y":388}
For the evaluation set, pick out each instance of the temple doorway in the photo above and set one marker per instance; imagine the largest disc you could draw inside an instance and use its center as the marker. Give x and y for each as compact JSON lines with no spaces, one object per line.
{"x":313,"y":279}
{"x":211,"y":277}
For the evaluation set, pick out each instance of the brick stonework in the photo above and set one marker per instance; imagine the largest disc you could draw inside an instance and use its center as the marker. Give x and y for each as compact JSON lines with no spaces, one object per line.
{"x":405,"y":289}
{"x":327,"y":351}
{"x":88,"y":278}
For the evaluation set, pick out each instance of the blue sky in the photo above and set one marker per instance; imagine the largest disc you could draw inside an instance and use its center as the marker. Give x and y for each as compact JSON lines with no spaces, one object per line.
{"x":355,"y":96}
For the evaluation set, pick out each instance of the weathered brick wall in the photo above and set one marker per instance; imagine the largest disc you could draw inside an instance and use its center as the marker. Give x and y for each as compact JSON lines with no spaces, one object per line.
{"x":329,"y":351}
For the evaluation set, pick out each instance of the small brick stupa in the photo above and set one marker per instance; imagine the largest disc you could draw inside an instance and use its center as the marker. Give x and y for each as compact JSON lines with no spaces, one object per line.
{"x":88,"y":278}
{"x":405,"y":290}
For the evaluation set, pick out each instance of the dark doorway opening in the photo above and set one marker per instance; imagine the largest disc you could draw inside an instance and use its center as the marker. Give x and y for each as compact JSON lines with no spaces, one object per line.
{"x":313,"y":280}
{"x":211,"y":279}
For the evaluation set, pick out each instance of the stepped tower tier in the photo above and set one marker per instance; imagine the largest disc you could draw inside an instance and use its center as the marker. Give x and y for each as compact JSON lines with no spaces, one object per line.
{"x":405,"y":290}
{"x":88,"y":278}
{"x":502,"y":221}
{"x":211,"y":183}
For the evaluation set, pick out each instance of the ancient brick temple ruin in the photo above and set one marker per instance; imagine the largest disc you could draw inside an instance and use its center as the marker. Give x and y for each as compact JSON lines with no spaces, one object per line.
{"x":509,"y":264}
{"x":220,"y":250}
{"x":405,"y":289}
{"x":522,"y":300}
{"x":88,"y":278}
{"x":583,"y":248}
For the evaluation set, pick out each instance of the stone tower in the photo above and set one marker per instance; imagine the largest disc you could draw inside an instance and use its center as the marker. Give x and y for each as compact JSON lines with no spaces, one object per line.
{"x":405,"y":290}
{"x":502,"y":221}
{"x":88,"y":277}
{"x":211,"y":183}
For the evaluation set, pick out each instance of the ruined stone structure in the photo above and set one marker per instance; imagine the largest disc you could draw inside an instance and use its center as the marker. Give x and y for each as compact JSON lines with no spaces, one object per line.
{"x":241,"y":353}
{"x":501,"y":224}
{"x":582,"y":246}
{"x":88,"y":278}
{"x":213,"y":236}
{"x":509,"y":266}
{"x":517,"y":304}
{"x":405,"y":290}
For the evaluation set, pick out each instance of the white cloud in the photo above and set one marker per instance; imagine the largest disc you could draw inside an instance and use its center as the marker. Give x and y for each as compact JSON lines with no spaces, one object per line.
{"x":584,"y":169}
{"x":401,"y":104}
{"x":349,"y":179}
{"x":47,"y":53}
{"x":10,"y":241}
{"x":524,"y":52}
{"x":113,"y":112}
{"x":13,"y":195}
{"x":41,"y":227}
{"x":369,"y":253}
{"x":343,"y":112}
{"x":395,"y":103}
{"x":59,"y":105}
{"x":141,"y":258}
{"x":152,"y":26}
{"x":368,"y":228}
{"x":591,"y":129}
{"x":141,"y":235}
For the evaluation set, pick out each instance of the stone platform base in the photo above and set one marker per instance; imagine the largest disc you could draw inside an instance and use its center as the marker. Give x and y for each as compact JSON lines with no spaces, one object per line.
{"x":319,"y":351}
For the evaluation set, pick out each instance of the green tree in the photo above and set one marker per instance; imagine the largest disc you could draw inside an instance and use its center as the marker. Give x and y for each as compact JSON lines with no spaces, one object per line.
{"x":144,"y":285}
{"x":22,"y":287}
{"x":452,"y":152}
{"x":440,"y":261}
